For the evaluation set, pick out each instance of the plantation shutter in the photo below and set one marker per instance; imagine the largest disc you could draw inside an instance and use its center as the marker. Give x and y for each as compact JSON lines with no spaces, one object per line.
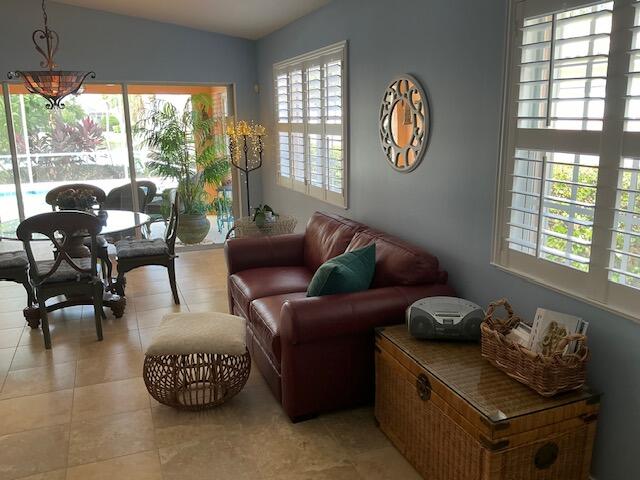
{"x":310,"y":90}
{"x":562,"y":75}
{"x":569,"y":198}
{"x":297,"y":125}
{"x":284,"y":131}
{"x":624,"y":257}
{"x":334,"y":115}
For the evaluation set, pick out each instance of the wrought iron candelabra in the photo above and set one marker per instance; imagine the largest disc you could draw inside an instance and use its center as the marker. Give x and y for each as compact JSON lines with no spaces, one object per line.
{"x":245,"y":148}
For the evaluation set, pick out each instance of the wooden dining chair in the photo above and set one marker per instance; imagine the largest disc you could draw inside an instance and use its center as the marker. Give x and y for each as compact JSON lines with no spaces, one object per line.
{"x":121,"y":198}
{"x":150,"y":189}
{"x":135,"y":253}
{"x":75,"y":278}
{"x":103,"y":245}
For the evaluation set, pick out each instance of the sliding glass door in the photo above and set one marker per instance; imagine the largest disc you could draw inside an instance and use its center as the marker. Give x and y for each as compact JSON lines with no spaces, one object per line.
{"x":8,"y":199}
{"x":88,"y":142}
{"x":144,"y":99}
{"x":83,"y":143}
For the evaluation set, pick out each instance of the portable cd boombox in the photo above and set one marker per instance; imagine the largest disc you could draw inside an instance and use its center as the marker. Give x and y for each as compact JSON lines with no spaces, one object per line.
{"x":445,"y":318}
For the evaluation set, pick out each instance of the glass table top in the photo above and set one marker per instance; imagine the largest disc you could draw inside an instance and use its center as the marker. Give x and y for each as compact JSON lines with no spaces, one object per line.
{"x":113,"y":221}
{"x":461,"y":367}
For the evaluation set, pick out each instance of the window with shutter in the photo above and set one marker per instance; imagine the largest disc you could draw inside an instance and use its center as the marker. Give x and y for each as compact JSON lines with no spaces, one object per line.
{"x":624,"y":259}
{"x":568,"y":205}
{"x":309,"y":93}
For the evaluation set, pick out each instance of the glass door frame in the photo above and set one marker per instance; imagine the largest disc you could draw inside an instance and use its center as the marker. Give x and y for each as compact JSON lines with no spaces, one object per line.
{"x":124,"y":91}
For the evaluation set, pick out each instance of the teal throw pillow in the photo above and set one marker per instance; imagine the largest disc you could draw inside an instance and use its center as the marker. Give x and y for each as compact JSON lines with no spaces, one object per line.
{"x":350,"y":272}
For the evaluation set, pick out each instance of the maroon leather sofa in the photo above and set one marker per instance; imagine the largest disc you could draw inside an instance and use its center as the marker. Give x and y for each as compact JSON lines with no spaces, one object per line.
{"x":316,"y":353}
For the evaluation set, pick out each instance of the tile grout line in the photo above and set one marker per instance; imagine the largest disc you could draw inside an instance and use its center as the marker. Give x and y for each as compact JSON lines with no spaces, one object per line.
{"x":115,"y":456}
{"x":15,"y":349}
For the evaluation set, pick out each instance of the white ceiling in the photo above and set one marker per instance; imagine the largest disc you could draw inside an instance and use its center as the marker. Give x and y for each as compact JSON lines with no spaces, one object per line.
{"x":241,"y":18}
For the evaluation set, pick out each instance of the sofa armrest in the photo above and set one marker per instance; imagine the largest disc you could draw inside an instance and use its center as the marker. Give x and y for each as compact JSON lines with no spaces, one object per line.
{"x":312,"y":319}
{"x":271,"y":251}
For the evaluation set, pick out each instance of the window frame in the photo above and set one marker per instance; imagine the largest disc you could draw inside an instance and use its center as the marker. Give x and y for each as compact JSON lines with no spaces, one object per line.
{"x":124,"y":89}
{"x":336,"y":51}
{"x":610,"y":144}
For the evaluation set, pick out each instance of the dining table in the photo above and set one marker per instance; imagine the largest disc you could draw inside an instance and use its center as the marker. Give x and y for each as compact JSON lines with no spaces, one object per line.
{"x":115,"y":224}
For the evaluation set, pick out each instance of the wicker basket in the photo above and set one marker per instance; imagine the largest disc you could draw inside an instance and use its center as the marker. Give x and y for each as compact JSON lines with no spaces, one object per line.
{"x":197,"y":381}
{"x":547,"y":375}
{"x":246,"y":227}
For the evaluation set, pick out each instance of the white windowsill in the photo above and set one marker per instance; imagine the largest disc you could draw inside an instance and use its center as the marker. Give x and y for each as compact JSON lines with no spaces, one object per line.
{"x":567,"y":292}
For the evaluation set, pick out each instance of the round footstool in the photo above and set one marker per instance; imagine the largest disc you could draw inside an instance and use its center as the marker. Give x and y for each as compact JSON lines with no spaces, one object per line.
{"x":197,"y":360}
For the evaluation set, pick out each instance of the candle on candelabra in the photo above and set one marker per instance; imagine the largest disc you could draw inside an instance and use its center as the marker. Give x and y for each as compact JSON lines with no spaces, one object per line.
{"x":245,"y":148}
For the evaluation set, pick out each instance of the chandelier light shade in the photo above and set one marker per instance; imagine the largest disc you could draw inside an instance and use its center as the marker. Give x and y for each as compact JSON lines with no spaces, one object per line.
{"x":53,"y":85}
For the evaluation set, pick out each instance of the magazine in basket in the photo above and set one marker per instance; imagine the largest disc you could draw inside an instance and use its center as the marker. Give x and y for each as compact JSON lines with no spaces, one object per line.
{"x":550,"y":327}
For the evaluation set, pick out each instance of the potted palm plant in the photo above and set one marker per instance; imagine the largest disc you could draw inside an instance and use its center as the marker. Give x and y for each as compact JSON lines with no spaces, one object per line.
{"x":187,"y":145}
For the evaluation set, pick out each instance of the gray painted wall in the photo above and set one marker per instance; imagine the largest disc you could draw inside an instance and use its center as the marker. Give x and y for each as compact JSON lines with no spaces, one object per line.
{"x":446,"y":205}
{"x":127,"y":49}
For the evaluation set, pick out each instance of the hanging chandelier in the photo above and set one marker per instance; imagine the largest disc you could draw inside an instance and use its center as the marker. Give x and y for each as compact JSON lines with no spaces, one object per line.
{"x":53,"y":85}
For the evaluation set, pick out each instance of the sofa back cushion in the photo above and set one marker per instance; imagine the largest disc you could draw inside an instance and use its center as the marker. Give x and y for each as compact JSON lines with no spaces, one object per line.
{"x":398,"y":262}
{"x":327,"y":236}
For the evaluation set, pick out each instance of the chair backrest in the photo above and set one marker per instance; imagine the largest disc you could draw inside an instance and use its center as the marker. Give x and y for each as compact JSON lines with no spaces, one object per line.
{"x":150,"y":190}
{"x":172,"y":227}
{"x":121,"y":198}
{"x":59,"y":228}
{"x":52,"y":195}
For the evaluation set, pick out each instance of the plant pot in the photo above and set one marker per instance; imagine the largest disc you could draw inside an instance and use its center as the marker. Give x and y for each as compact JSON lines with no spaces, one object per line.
{"x":193,"y":228}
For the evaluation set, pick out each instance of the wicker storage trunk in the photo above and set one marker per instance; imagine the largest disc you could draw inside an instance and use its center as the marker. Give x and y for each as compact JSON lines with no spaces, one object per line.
{"x":456,"y":417}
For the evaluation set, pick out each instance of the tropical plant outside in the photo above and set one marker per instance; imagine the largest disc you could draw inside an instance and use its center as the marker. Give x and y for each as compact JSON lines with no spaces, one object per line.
{"x":186,"y":145}
{"x":70,"y":130}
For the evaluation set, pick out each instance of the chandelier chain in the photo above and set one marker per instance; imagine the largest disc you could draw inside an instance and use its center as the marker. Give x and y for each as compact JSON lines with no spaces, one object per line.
{"x":44,"y":15}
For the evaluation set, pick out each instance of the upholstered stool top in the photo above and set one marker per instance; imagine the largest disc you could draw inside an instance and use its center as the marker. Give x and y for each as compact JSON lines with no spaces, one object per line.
{"x":13,"y":259}
{"x":141,"y":248}
{"x":187,"y":333}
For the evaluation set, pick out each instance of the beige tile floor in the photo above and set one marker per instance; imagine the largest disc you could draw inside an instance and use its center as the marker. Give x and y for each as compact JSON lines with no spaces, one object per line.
{"x":81,"y":411}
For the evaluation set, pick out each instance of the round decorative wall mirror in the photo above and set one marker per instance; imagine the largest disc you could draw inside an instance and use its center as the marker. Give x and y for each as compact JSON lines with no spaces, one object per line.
{"x":405,"y":123}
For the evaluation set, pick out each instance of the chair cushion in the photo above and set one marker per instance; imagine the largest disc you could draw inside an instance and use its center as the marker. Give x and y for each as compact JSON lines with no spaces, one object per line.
{"x":211,"y":332}
{"x":65,"y":272}
{"x":249,"y":285}
{"x":141,"y":248}
{"x":350,"y":272}
{"x":264,"y":319}
{"x":397,"y":262}
{"x":327,"y":236}
{"x":13,"y":259}
{"x":100,"y":240}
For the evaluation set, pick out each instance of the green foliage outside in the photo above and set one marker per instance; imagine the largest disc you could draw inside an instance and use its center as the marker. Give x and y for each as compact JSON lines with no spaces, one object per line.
{"x":69,"y":130}
{"x":586,"y":194}
{"x":631,"y":202}
{"x":186,"y":145}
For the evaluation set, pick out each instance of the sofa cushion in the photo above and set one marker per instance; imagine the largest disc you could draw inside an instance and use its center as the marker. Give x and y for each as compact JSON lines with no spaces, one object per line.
{"x":327,"y":236}
{"x":398,"y":262}
{"x":349,"y":272}
{"x":248,"y":285}
{"x":264,"y":319}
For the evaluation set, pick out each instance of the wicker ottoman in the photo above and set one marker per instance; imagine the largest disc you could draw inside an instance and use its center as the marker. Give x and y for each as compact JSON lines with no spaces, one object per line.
{"x":197,"y":360}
